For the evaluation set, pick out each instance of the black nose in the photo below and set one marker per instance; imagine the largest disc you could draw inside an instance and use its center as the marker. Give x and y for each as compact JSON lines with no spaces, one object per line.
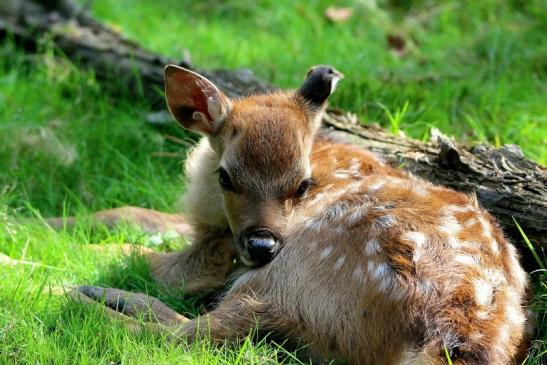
{"x":261,"y":246}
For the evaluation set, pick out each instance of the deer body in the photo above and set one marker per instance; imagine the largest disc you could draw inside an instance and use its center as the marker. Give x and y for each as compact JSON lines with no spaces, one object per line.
{"x":360,"y":261}
{"x":379,"y":267}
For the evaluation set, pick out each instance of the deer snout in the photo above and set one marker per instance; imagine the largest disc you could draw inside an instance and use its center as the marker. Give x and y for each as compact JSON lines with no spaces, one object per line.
{"x":260,"y":245}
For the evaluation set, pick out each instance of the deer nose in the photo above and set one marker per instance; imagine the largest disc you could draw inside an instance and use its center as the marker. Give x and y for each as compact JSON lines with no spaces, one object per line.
{"x":261,"y":245}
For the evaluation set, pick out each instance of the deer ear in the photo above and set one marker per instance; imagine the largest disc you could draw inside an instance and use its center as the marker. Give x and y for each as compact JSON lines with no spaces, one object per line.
{"x":195,"y":102}
{"x":320,"y":83}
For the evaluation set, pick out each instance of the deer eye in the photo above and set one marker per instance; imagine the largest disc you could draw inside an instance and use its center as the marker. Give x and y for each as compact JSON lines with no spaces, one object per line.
{"x":304,"y":186}
{"x":224,"y":179}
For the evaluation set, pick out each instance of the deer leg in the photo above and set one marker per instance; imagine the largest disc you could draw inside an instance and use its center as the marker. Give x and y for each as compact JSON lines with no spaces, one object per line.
{"x":133,"y":304}
{"x":236,"y":317}
{"x":164,"y":318}
{"x":149,"y":220}
{"x":204,"y":266}
{"x":77,"y":297}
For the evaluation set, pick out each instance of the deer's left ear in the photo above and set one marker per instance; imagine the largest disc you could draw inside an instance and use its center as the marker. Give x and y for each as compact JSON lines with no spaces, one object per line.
{"x":195,"y":102}
{"x":320,"y":83}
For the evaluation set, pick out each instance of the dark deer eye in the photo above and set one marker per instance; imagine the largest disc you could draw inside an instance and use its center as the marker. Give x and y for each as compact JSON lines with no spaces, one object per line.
{"x":304,"y":187}
{"x":224,"y":179}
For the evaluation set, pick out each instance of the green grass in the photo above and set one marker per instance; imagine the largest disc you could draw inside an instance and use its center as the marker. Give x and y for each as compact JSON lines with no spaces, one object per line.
{"x":477,"y":70}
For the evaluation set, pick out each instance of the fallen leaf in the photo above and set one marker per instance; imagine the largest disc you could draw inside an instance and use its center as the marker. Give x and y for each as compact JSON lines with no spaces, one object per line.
{"x":338,"y":15}
{"x":396,"y":42}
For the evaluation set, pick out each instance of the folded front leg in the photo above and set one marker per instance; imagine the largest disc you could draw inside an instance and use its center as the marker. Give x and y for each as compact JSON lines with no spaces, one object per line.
{"x":134,"y":304}
{"x":148,"y":220}
{"x":204,"y":266}
{"x":236,"y":317}
{"x":134,"y":326}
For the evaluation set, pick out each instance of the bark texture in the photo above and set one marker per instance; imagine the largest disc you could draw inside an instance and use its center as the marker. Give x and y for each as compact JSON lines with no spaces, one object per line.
{"x":505,"y":181}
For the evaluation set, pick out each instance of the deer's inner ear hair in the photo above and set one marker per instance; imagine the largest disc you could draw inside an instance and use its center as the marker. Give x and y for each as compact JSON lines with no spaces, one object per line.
{"x":224,"y":179}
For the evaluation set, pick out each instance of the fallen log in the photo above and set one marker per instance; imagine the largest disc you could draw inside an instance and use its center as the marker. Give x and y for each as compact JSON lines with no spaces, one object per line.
{"x":507,"y":183}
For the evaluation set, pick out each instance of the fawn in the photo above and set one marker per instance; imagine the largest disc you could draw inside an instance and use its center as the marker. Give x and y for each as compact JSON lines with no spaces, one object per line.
{"x":359,"y":261}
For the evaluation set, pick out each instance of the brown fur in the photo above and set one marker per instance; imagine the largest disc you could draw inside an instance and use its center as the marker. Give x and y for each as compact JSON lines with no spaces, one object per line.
{"x":377,"y":266}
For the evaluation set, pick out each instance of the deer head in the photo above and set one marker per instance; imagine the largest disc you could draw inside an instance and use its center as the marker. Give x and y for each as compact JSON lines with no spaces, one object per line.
{"x":263,"y":146}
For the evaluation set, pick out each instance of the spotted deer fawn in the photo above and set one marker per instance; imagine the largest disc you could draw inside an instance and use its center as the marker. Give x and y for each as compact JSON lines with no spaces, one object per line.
{"x":359,"y":261}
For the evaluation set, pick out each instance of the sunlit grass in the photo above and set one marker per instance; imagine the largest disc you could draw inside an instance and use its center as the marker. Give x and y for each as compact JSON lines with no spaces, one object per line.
{"x":481,"y":62}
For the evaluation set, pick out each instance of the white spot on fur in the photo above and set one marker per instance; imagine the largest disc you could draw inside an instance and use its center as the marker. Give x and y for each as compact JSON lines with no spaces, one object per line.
{"x":358,"y":274}
{"x":342,"y":174}
{"x":326,"y":252}
{"x":357,"y":215}
{"x":470,"y":244}
{"x":397,"y":293}
{"x":385,"y":285}
{"x":355,"y":167}
{"x":417,"y":255}
{"x":453,"y":242}
{"x":494,"y":247}
{"x":354,"y":171}
{"x":354,"y":188}
{"x":483,"y":292}
{"x":418,"y":238}
{"x":512,"y":297}
{"x":470,"y":222}
{"x":380,"y":271}
{"x":372,"y":247}
{"x":426,"y":286}
{"x":375,"y":187}
{"x":420,"y":190}
{"x":386,"y":221}
{"x":450,"y":226}
{"x":514,"y":315}
{"x":483,"y":315}
{"x":494,"y":277}
{"x":460,"y":208}
{"x":336,"y":211}
{"x":520,"y":274}
{"x":516,"y":269}
{"x":465,"y":260}
{"x":339,"y":262}
{"x":371,"y":267}
{"x":476,"y":336}
{"x":487,"y":231}
{"x":503,"y":335}
{"x":314,"y":224}
{"x":339,"y":230}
